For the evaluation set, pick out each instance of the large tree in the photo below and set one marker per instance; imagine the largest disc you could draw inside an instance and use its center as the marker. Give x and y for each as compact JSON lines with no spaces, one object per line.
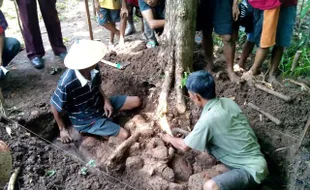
{"x":177,"y":52}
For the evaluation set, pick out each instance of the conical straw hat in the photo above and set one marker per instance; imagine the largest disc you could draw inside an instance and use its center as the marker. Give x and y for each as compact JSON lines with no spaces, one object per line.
{"x":84,"y":54}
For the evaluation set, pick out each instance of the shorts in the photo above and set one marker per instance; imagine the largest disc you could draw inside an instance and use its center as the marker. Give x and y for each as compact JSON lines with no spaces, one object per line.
{"x":235,"y":179}
{"x":108,"y":16}
{"x":104,"y":126}
{"x":215,"y":14}
{"x":274,"y":27}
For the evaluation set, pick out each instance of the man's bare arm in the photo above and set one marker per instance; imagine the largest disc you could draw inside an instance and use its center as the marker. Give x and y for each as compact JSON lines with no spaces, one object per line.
{"x":176,"y":142}
{"x":153,"y":23}
{"x":58,"y":118}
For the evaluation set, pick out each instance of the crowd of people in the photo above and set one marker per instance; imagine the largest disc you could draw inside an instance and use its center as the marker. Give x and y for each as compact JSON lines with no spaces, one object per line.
{"x":223,"y":129}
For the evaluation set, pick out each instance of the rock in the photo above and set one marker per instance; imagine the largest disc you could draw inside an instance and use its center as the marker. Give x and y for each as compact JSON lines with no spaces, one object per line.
{"x":205,"y":160}
{"x":221,"y":168}
{"x":181,"y":168}
{"x":155,"y":142}
{"x":168,"y":174}
{"x":114,"y":141}
{"x":196,"y":181}
{"x":134,"y":149}
{"x":176,"y":186}
{"x":5,"y":163}
{"x":197,"y":168}
{"x":160,"y":153}
{"x":135,"y":163}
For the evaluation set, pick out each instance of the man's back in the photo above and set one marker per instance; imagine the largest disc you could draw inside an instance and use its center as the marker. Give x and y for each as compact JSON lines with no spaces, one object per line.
{"x":228,"y":136}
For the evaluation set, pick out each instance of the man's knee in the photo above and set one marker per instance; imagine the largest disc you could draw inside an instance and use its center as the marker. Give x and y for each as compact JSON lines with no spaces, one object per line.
{"x":12,"y":45}
{"x":227,"y":39}
{"x":210,"y":185}
{"x":123,"y":134}
{"x":136,"y":102}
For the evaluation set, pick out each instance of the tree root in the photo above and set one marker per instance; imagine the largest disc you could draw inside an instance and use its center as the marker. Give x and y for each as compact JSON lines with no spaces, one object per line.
{"x":13,"y":179}
{"x":179,"y":130}
{"x":303,"y":86}
{"x":306,"y":130}
{"x":270,"y":91}
{"x":268,"y":115}
{"x":119,"y":153}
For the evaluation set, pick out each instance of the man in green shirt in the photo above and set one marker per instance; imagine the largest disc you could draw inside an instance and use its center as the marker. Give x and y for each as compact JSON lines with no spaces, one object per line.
{"x":224,"y":131}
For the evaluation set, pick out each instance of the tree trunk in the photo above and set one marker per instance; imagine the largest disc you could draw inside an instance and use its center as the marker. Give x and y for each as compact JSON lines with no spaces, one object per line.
{"x":177,"y":47}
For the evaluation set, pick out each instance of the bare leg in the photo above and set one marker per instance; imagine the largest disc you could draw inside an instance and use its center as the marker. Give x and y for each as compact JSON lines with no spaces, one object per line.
{"x":277,"y":53}
{"x":131,"y":103}
{"x":122,"y":30}
{"x":260,"y":57}
{"x":229,"y":53}
{"x":247,"y":49}
{"x":207,"y":43}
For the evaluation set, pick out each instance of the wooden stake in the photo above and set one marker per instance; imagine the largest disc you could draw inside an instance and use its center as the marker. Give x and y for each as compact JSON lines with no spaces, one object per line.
{"x":18,"y":19}
{"x":306,"y":130}
{"x":295,"y":61}
{"x":13,"y":179}
{"x":2,"y":105}
{"x":89,"y":21}
{"x":268,"y":115}
{"x":277,"y":94}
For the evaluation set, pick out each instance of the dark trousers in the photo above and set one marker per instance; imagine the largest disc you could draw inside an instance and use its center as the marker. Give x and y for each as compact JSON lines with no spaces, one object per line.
{"x":32,"y":33}
{"x":10,"y":50}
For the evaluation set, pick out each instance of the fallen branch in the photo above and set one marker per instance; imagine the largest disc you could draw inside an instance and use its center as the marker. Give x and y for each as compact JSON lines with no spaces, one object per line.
{"x":13,"y":179}
{"x":306,"y":130}
{"x":268,"y":115}
{"x":275,"y":93}
{"x":119,"y":153}
{"x":304,"y":87}
{"x":295,"y":61}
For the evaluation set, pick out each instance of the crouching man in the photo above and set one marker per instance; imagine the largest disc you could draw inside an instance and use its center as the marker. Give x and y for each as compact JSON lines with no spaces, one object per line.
{"x":224,"y":131}
{"x":80,"y":95}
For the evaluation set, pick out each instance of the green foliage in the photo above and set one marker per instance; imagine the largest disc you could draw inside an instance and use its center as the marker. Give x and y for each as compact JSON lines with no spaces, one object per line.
{"x":305,"y":9}
{"x":50,"y":173}
{"x":184,"y":79}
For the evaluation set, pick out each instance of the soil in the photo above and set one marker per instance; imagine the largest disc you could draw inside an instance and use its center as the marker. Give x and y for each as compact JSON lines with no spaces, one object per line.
{"x":27,"y":92}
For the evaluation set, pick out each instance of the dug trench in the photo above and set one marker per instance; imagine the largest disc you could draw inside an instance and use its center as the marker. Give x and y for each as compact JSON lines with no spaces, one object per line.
{"x":148,"y":163}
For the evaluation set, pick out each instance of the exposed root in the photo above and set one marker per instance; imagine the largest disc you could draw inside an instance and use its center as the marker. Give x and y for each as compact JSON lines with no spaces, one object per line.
{"x":306,"y":130}
{"x":275,"y":93}
{"x":268,"y":115}
{"x":176,"y":130}
{"x":13,"y":179}
{"x":296,"y":59}
{"x":303,"y":86}
{"x":119,"y":153}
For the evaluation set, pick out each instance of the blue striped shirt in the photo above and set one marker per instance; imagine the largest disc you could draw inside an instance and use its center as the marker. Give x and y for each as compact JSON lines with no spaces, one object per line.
{"x":81,"y":99}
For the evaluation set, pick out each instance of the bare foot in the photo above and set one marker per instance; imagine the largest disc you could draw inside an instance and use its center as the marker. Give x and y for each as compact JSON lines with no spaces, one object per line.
{"x":273,"y":80}
{"x":233,"y":77}
{"x":248,"y":76}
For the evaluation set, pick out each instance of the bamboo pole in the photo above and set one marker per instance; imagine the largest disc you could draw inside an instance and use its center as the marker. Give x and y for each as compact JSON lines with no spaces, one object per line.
{"x":89,"y":21}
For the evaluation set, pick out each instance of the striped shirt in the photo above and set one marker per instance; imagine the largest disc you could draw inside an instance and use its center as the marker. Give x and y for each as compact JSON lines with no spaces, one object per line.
{"x":80,"y":98}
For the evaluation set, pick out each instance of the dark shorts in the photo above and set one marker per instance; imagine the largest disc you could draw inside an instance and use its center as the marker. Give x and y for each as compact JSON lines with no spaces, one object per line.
{"x":284,"y":28}
{"x":235,"y":179}
{"x":104,"y":126}
{"x":108,"y":16}
{"x":215,"y":14}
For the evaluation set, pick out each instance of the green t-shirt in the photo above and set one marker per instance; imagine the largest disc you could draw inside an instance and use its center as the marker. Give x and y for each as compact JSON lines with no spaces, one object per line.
{"x":224,"y":131}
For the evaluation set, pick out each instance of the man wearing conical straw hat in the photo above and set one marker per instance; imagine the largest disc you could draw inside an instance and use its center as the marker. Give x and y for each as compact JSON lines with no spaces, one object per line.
{"x":80,"y":95}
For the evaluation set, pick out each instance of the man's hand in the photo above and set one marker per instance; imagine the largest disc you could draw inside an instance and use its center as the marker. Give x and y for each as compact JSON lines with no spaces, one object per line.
{"x":65,"y":136}
{"x":124,"y":12}
{"x":235,"y":12}
{"x":165,"y":137}
{"x":108,"y":108}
